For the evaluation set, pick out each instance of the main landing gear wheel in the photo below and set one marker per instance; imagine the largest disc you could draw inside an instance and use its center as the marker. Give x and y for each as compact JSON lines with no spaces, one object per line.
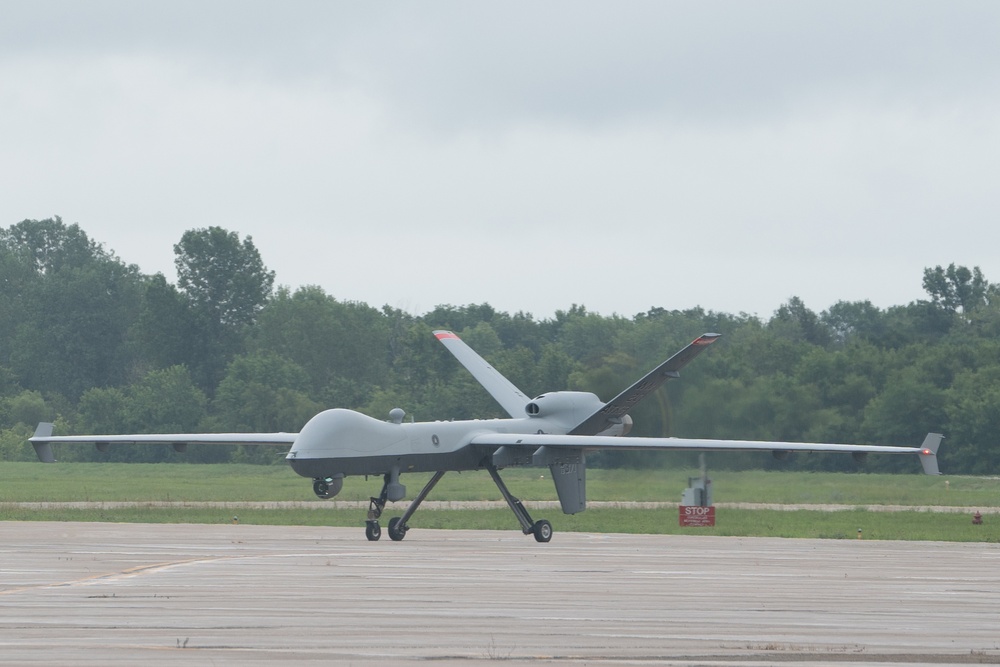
{"x":542,"y":531}
{"x":398,"y":531}
{"x":372,"y":531}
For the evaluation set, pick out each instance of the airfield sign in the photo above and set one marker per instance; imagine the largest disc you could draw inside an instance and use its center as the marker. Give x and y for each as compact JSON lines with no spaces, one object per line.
{"x":696,"y":516}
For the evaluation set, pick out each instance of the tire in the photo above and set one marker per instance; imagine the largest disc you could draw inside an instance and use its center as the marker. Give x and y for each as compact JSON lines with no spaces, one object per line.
{"x":542,"y":531}
{"x":396,"y":531}
{"x":373,"y":531}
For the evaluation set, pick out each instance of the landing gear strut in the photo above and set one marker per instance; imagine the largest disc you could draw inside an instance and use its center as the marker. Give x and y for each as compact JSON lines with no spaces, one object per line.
{"x":397,"y":524}
{"x":542,"y":530}
{"x":375,"y":506}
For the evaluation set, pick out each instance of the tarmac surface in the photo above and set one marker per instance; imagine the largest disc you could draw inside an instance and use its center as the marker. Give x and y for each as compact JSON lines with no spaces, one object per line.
{"x":152,"y":594}
{"x":476,"y":505}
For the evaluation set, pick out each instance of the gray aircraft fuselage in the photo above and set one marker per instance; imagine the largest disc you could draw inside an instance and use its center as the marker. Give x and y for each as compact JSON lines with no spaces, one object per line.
{"x":340,"y":441}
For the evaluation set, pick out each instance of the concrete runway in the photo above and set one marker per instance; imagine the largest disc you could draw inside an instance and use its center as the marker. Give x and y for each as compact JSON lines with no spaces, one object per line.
{"x":131,"y":594}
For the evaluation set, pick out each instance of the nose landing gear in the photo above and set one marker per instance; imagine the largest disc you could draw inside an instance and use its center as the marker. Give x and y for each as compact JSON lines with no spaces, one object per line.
{"x":391,"y":490}
{"x":375,"y":506}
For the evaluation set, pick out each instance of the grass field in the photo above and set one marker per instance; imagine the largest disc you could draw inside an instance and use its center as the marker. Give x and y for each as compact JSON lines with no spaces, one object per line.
{"x":34,"y":482}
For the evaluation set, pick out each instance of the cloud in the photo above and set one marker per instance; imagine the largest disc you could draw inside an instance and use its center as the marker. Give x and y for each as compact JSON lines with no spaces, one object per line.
{"x":729,"y":155}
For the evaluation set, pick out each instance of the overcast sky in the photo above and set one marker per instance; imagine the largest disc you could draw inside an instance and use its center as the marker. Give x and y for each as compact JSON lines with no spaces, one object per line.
{"x":532,"y":155}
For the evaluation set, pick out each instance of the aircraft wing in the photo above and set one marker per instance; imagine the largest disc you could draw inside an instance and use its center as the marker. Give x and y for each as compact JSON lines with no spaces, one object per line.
{"x":620,"y":405}
{"x":927,"y":451}
{"x":500,"y":388}
{"x":43,"y":440}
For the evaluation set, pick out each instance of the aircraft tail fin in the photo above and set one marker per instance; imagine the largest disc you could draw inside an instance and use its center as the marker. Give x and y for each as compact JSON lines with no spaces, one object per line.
{"x":43,"y":449}
{"x":928,"y":453}
{"x":510,"y":398}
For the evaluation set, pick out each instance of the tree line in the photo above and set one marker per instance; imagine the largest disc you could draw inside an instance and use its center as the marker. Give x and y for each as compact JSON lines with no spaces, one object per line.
{"x":97,"y":346}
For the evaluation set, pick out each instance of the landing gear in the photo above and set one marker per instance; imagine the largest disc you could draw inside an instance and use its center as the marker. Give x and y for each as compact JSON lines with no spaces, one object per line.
{"x":542,"y":530}
{"x":397,"y":525}
{"x":375,"y":506}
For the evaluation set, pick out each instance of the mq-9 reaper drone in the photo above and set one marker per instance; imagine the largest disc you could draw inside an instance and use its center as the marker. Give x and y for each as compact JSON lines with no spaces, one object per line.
{"x":554,"y":430}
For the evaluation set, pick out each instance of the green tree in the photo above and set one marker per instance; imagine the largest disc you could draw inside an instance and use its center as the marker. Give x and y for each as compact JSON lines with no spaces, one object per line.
{"x":26,"y":408}
{"x":16,"y":272}
{"x":166,"y":401}
{"x":552,"y":370}
{"x":71,"y":303}
{"x":165,"y":332}
{"x":796,"y":322}
{"x":49,"y":246}
{"x":8,"y":382}
{"x":342,"y":346}
{"x":587,"y":337}
{"x":956,"y":288}
{"x":263,"y":393}
{"x":919,"y":321}
{"x":222,"y":275}
{"x":227,"y":285}
{"x":163,"y":401}
{"x":460,"y":318}
{"x":848,"y":321}
{"x":973,"y":408}
{"x":102,"y":410}
{"x":908,"y":409}
{"x":986,"y":320}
